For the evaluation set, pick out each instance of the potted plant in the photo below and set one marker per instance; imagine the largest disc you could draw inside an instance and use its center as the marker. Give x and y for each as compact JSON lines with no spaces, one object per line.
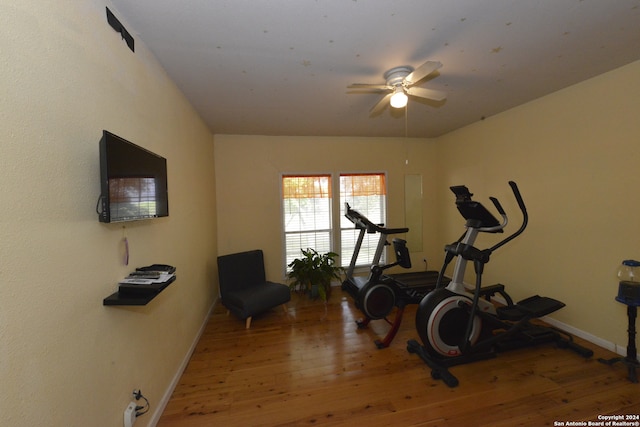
{"x":314,"y":271}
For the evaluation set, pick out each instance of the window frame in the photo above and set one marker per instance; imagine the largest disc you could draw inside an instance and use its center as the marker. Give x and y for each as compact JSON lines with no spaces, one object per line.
{"x":284,"y":233}
{"x":336,"y":210}
{"x":345,"y":261}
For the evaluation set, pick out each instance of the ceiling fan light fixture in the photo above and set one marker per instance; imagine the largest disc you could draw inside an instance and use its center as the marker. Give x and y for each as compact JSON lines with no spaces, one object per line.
{"x":399,"y":98}
{"x":399,"y":84}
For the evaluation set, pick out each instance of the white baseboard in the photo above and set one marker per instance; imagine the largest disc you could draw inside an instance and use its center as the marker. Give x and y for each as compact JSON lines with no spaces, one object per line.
{"x":608,"y":345}
{"x":580,"y":333}
{"x":159,"y":408}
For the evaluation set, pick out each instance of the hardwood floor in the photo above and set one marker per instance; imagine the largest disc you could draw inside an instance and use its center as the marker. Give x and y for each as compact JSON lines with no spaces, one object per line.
{"x":312,"y":366}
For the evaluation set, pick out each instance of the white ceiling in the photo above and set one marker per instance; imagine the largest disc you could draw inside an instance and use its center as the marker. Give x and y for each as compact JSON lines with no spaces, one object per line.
{"x":282,"y":67}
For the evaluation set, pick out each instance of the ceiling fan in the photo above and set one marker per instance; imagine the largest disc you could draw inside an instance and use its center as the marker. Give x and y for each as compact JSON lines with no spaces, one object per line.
{"x":400,"y":82}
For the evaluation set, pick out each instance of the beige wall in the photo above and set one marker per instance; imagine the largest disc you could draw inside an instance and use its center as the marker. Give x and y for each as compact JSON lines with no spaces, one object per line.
{"x":249,"y":168}
{"x":575,"y":155}
{"x":65,"y":359}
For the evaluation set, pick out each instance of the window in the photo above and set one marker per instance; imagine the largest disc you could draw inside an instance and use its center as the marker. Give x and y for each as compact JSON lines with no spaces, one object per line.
{"x":309,"y":213}
{"x":365,"y":193}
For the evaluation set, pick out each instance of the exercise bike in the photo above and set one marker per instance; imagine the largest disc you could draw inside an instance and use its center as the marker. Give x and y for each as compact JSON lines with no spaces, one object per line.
{"x":378,"y":294}
{"x":458,"y":325}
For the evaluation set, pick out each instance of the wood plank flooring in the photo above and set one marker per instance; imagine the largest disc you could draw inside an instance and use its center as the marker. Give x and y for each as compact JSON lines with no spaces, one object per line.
{"x":312,"y":366}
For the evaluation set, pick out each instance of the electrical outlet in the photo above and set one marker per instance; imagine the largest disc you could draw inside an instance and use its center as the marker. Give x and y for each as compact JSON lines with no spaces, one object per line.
{"x":130,"y":414}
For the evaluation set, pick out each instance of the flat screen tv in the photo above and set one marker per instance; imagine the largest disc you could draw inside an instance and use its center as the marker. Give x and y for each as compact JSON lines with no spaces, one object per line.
{"x":133,"y":181}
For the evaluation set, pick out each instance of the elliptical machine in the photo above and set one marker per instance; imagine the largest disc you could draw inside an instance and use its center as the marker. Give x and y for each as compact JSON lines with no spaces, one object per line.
{"x":459,"y":326}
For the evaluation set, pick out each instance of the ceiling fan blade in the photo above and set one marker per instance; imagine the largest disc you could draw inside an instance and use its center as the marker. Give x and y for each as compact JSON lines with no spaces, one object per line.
{"x":422,"y":92}
{"x":369,"y":86}
{"x":421,"y":72}
{"x":381,"y":105}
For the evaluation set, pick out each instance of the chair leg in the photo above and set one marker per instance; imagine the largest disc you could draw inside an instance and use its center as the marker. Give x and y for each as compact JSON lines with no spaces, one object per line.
{"x":284,"y":307}
{"x":248,"y":322}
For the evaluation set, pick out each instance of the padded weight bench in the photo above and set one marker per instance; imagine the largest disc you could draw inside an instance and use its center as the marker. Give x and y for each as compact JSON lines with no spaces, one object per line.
{"x":244,"y":289}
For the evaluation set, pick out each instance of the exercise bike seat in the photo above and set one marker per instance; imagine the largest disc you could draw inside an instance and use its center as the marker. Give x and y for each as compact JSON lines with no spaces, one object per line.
{"x":532,"y":307}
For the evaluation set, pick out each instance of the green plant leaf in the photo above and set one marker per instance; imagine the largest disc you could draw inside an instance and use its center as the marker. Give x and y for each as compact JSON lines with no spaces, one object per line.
{"x":314,"y":268}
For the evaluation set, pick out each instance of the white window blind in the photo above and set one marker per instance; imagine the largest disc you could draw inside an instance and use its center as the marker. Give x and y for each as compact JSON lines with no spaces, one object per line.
{"x":365,"y":193}
{"x":307,"y":214}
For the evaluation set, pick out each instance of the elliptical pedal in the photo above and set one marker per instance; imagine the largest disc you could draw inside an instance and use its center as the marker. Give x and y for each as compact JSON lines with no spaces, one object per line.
{"x":532,"y":307}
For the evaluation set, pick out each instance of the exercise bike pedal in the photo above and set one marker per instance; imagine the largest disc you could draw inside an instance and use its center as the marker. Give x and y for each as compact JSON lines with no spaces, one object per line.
{"x":535,"y":306}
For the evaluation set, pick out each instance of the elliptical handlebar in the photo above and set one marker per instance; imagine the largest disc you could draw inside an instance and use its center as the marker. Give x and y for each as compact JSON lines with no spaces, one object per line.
{"x":498,"y":206}
{"x":523,"y":209}
{"x":516,"y":193}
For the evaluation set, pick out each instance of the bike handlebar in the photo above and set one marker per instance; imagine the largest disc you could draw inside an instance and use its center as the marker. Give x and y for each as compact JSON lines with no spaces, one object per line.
{"x":362,"y":222}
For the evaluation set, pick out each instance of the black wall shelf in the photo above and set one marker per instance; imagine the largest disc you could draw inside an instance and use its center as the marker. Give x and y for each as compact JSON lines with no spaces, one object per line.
{"x":137,"y":294}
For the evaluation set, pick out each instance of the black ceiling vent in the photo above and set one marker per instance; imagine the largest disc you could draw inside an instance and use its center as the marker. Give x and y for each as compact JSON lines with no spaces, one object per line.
{"x":116,"y":25}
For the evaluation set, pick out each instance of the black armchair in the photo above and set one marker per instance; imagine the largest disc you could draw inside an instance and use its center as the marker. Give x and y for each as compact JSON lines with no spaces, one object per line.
{"x":244,"y":289}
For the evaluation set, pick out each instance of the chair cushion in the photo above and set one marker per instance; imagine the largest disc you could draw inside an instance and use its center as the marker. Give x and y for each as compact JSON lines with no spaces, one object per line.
{"x":256,"y":299}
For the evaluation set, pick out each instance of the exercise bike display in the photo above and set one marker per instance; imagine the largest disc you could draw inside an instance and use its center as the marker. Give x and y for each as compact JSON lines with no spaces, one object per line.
{"x":378,"y":294}
{"x":458,"y":326}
